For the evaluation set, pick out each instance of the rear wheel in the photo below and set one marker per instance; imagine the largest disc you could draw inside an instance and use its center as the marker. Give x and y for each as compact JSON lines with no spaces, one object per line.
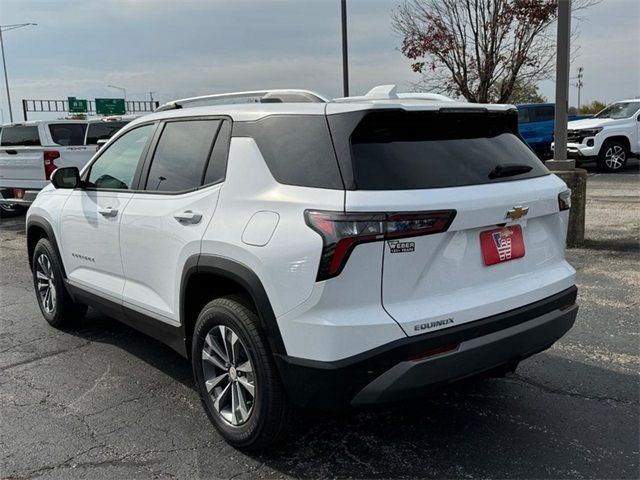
{"x":613,"y":156}
{"x":236,"y":376}
{"x":56,"y":305}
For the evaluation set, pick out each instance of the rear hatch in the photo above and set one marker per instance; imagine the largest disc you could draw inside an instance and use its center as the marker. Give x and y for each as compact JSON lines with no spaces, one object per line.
{"x":471,"y":165}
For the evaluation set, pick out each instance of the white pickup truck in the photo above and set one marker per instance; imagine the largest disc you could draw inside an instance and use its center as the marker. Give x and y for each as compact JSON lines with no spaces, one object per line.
{"x":31,"y":151}
{"x":610,"y":137}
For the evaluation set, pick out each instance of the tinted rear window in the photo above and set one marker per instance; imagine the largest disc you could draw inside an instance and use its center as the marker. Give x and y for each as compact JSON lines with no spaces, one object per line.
{"x":68,"y":134}
{"x":102,"y":131}
{"x":400,"y":150}
{"x":296,"y":148}
{"x":20,"y":136}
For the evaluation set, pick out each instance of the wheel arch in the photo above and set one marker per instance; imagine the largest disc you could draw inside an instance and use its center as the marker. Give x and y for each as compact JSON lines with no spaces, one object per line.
{"x":621,"y":138}
{"x":206,"y":277}
{"x":37,"y":229}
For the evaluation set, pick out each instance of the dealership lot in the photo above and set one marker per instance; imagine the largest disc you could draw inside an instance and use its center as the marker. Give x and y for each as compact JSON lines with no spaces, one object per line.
{"x":104,"y":401}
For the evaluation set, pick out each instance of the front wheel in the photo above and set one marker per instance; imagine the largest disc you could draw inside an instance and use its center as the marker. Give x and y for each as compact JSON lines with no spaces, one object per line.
{"x":236,"y":377}
{"x":56,"y":305}
{"x":613,"y":156}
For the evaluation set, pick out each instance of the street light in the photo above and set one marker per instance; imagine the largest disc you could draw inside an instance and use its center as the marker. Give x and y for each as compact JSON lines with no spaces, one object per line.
{"x":6,"y":28}
{"x":124,"y":92}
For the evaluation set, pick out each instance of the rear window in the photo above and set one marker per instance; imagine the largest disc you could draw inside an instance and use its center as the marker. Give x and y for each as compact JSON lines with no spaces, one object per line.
{"x":401,"y":150}
{"x":68,"y":134}
{"x":23,"y":135}
{"x":102,"y":131}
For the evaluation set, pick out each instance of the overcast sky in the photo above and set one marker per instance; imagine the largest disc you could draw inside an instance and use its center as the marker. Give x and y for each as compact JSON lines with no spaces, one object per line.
{"x":180,"y":48}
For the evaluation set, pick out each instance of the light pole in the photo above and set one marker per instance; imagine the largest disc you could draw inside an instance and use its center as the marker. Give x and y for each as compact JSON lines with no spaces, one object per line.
{"x":124,"y":91}
{"x":6,"y":28}
{"x":345,"y":58}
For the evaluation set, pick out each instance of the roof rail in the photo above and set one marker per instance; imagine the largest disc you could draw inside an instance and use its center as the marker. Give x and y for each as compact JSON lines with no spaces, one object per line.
{"x":255,"y":96}
{"x":389,"y":92}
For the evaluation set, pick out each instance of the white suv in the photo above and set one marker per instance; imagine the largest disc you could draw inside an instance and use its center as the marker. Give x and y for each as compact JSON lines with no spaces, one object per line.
{"x":610,"y":137}
{"x":313,"y":253}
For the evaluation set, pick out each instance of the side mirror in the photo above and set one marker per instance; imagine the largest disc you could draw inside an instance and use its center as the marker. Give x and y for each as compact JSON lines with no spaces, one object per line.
{"x":66,"y":177}
{"x":100,"y":143}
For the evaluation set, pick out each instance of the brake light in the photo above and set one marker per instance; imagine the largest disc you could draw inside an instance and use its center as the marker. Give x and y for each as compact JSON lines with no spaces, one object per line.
{"x":564,"y":200}
{"x":341,"y":232}
{"x":49,"y":164}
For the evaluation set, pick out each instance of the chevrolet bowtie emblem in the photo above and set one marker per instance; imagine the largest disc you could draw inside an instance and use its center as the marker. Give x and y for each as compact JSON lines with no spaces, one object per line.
{"x":517,"y":212}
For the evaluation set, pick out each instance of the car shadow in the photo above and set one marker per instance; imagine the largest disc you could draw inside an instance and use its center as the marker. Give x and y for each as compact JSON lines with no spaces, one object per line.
{"x":531,"y":424}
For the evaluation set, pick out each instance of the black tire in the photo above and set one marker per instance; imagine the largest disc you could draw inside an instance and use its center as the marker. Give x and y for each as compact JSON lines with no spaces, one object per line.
{"x":8,"y":211}
{"x":63,"y":311}
{"x":613,"y":156}
{"x":270,"y":413}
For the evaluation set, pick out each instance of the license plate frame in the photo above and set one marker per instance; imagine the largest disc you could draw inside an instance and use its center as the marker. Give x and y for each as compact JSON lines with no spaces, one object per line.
{"x":500,"y":245}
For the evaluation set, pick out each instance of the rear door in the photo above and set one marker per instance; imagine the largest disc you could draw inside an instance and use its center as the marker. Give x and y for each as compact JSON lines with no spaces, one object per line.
{"x":21,"y":157}
{"x":473,"y":165}
{"x":162,"y":225}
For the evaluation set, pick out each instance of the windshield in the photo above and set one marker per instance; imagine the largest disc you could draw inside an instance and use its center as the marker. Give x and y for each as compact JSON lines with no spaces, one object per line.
{"x":619,"y":110}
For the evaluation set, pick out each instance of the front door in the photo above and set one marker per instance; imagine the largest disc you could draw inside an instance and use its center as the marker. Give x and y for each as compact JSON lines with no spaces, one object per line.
{"x":91,"y":217}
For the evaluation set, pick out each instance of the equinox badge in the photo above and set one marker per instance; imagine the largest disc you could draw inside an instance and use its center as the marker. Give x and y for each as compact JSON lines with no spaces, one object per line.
{"x":517,"y":212}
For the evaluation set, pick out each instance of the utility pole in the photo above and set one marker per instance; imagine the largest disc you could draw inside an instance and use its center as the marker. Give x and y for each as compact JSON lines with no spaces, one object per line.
{"x":579,"y":84}
{"x":345,"y":58}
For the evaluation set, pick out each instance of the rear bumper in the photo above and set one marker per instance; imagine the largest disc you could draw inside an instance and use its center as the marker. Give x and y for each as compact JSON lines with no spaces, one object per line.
{"x":7,"y":197}
{"x":387,"y":373}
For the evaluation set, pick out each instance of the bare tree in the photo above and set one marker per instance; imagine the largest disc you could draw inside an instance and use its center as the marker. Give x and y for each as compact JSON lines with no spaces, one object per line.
{"x":484,"y":50}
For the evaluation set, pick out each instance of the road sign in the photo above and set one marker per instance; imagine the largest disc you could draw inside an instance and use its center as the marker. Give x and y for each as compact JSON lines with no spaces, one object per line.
{"x":77,"y":106}
{"x":110,"y":106}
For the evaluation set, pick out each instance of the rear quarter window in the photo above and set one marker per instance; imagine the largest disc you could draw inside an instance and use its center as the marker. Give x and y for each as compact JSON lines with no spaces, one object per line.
{"x":401,"y":150}
{"x":20,"y":135}
{"x":296,"y":148}
{"x":68,"y":134}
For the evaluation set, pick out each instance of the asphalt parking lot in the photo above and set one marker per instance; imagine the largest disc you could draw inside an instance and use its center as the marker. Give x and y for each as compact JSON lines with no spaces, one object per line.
{"x":104,"y":401}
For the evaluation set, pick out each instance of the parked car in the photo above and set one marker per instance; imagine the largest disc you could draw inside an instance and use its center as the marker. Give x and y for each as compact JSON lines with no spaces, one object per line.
{"x":610,"y":137}
{"x":536,"y":123}
{"x":324,"y":254}
{"x":31,"y":151}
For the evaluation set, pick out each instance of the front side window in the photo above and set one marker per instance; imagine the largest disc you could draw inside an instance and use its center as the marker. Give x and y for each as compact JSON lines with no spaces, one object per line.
{"x":68,"y":134}
{"x":182,"y":155}
{"x":20,"y":136}
{"x":619,"y":110}
{"x":116,"y":167}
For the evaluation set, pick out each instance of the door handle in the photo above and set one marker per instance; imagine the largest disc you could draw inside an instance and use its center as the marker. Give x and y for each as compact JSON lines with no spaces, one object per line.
{"x":188,"y":217}
{"x":108,"y":212}
{"x":11,"y":152}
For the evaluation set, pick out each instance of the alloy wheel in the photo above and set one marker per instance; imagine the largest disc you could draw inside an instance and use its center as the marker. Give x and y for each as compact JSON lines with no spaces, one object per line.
{"x":45,"y":283}
{"x":228,"y":375}
{"x":614,"y":157}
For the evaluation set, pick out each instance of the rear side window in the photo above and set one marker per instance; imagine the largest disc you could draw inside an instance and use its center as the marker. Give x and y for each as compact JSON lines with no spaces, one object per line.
{"x":20,"y":135}
{"x":543,"y":114}
{"x":68,"y":134}
{"x":296,"y":148}
{"x":182,"y":155}
{"x":102,"y":131}
{"x":523,"y":115}
{"x":400,"y":150}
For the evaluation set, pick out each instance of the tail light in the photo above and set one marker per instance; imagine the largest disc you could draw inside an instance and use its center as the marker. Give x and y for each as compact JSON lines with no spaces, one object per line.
{"x":49,"y":164}
{"x":564,"y":200}
{"x":341,"y":232}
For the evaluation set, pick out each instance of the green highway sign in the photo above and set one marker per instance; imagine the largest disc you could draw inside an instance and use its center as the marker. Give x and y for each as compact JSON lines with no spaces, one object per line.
{"x":110,"y":106}
{"x":77,"y":106}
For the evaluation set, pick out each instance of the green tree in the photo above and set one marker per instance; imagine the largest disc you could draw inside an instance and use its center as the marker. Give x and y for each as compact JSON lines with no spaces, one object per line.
{"x":592,"y":108}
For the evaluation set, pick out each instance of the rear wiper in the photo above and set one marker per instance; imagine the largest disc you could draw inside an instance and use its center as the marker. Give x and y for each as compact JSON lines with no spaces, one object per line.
{"x":509,"y":170}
